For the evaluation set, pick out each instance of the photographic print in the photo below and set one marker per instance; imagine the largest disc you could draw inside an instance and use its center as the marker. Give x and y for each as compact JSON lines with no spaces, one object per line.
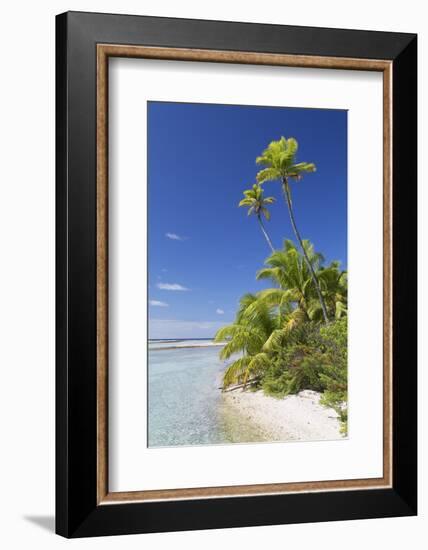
{"x":247,"y":265}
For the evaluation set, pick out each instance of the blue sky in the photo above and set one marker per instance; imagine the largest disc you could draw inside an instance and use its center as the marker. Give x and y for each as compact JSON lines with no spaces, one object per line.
{"x":204,"y":251}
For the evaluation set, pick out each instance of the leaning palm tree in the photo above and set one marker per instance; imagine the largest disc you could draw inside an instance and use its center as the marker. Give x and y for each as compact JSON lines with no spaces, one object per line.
{"x":245,"y":338}
{"x":279,"y":159}
{"x":258,"y":206}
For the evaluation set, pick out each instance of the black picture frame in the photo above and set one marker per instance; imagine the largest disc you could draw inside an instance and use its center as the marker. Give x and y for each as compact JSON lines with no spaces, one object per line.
{"x":77,"y":511}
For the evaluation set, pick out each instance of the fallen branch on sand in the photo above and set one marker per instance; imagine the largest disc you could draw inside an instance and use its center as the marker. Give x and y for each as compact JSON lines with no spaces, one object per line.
{"x":232,"y":388}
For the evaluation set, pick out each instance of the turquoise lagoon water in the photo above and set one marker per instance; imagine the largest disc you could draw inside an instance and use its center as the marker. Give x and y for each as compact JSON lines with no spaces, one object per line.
{"x":185,"y":405}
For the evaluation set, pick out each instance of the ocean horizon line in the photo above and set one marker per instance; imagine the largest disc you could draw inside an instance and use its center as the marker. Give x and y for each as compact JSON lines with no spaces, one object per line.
{"x":172,"y":339}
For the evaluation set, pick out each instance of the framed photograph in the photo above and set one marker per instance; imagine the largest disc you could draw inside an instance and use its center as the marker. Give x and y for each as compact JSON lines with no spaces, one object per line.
{"x":236,"y":274}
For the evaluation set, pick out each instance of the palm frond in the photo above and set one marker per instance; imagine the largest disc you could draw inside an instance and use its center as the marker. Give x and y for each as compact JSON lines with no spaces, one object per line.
{"x":268,"y":174}
{"x":226,"y":332}
{"x":244,"y":340}
{"x":274,"y":341}
{"x":246,"y":202}
{"x":315,"y":311}
{"x":277,"y":297}
{"x":296,"y":170}
{"x":258,"y":364}
{"x":235,"y":371}
{"x":266,"y":213}
{"x":341,"y":310}
{"x":268,"y":273}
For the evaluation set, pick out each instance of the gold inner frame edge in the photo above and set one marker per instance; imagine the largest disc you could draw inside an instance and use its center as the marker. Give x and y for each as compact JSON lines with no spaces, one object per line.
{"x":104,"y":51}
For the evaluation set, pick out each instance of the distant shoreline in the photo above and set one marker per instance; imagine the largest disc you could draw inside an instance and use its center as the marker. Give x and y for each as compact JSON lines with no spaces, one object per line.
{"x":180,"y":339}
{"x":184,"y":346}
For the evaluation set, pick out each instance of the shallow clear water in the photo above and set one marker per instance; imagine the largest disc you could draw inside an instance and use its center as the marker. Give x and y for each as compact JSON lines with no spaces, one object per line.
{"x":162,"y":344}
{"x":185,"y":403}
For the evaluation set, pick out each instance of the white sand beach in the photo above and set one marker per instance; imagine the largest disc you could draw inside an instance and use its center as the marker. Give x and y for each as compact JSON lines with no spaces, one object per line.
{"x":294,"y":418}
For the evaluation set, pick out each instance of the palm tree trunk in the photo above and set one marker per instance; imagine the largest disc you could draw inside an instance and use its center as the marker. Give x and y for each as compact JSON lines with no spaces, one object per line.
{"x":265,"y":233}
{"x":298,"y":237}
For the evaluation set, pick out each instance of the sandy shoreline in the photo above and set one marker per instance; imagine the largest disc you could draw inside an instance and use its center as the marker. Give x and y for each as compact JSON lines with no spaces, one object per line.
{"x":294,"y":418}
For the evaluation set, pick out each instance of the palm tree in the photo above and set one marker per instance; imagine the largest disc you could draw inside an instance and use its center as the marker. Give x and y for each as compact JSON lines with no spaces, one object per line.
{"x":334,"y":285}
{"x":295,"y":300}
{"x":288,"y":269}
{"x":279,"y":159}
{"x":252,"y":327}
{"x":257,"y":205}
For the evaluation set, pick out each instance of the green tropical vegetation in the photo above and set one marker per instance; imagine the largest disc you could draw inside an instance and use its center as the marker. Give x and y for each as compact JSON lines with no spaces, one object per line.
{"x":292,"y":336}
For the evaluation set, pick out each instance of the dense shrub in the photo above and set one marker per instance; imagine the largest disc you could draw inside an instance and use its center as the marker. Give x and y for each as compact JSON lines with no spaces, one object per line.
{"x":315,"y":357}
{"x":334,"y":375}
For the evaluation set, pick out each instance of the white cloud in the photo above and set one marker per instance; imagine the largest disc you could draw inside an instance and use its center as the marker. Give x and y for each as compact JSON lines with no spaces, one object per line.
{"x":171,"y":328}
{"x":157,"y":303}
{"x":171,"y":286}
{"x":219,"y":311}
{"x":174,"y":237}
